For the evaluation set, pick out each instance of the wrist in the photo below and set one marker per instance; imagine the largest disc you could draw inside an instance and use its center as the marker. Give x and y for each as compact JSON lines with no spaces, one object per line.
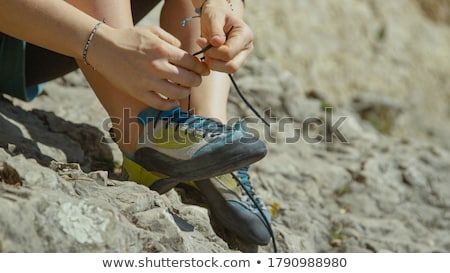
{"x":89,"y":41}
{"x":97,"y":44}
{"x":232,"y":7}
{"x":239,"y":4}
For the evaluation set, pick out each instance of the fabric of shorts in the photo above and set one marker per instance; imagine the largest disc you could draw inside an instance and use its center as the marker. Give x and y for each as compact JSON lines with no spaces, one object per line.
{"x":12,"y":69}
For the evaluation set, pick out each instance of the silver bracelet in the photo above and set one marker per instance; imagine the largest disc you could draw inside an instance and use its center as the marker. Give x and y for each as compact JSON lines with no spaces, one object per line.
{"x":88,"y":43}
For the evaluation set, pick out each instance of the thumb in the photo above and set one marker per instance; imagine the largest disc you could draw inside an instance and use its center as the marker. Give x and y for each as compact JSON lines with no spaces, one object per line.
{"x":214,"y":30}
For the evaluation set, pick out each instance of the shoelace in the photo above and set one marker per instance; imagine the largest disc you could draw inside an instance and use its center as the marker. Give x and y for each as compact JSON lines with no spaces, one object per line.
{"x":243,"y":176}
{"x":195,"y":125}
{"x":248,"y":189}
{"x":243,"y":173}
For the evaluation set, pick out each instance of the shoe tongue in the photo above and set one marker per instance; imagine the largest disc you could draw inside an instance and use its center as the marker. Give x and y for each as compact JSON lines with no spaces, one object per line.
{"x":149,"y":114}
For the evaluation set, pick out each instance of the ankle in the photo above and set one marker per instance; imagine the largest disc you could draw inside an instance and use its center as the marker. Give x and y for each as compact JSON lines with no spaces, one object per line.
{"x":127,"y":136}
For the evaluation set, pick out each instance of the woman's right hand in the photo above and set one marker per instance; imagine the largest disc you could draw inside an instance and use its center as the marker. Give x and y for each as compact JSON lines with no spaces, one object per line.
{"x":146,"y":62}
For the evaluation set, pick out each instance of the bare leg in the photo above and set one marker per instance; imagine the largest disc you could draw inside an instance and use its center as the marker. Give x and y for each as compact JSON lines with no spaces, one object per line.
{"x":210,"y":98}
{"x":117,"y":104}
{"x":123,"y":109}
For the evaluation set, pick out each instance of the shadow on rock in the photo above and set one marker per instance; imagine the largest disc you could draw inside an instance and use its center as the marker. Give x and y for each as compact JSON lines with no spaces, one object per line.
{"x":45,"y":137}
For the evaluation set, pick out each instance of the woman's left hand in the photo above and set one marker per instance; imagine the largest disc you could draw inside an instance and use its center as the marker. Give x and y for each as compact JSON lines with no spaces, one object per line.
{"x":231,"y":38}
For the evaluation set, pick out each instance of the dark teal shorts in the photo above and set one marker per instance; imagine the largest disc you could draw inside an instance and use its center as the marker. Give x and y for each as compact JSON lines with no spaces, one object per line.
{"x":12,"y":69}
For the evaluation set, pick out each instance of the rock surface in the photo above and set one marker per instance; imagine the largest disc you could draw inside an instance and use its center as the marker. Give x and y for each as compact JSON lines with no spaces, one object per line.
{"x":370,"y":176}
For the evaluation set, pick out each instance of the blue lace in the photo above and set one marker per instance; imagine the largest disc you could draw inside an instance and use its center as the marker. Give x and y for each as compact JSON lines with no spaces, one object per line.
{"x":243,"y":176}
{"x":196,"y":125}
{"x":243,"y":179}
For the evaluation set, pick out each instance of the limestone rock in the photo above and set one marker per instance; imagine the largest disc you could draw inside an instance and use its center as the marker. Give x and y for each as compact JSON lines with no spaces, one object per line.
{"x":383,"y":65}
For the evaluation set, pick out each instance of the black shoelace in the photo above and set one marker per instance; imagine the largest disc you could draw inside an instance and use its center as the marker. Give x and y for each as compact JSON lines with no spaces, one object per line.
{"x":249,"y":192}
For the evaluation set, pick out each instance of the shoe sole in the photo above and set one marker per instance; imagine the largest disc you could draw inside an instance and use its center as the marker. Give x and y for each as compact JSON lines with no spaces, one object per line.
{"x":232,"y":157}
{"x":248,"y":226}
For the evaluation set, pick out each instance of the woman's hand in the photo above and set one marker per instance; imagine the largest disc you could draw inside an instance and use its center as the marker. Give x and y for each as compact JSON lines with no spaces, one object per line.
{"x":147,"y":63}
{"x":230,"y":48}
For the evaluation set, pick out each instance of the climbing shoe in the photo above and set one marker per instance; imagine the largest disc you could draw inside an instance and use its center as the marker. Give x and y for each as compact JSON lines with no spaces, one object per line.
{"x":176,"y":146}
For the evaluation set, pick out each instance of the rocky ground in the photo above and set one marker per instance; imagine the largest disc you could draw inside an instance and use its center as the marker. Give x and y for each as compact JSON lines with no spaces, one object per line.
{"x":379,"y":184}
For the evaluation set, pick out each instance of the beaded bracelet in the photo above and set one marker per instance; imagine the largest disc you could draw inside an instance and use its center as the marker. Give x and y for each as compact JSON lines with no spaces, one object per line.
{"x":88,"y":43}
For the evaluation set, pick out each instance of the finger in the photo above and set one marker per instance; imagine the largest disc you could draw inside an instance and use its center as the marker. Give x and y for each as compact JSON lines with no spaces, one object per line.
{"x":228,"y":66}
{"x":189,"y":62}
{"x":166,"y":36}
{"x":213,"y":31}
{"x":170,"y":89}
{"x":202,"y":42}
{"x":237,"y":42}
{"x":176,"y":73}
{"x":154,"y":100}
{"x":183,"y":77}
{"x":239,"y":39}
